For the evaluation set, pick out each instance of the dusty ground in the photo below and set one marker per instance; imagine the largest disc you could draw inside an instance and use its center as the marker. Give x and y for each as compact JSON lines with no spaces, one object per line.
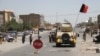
{"x":87,"y":48}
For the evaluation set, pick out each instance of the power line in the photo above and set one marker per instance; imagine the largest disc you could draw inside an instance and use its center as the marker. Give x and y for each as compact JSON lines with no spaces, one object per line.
{"x":62,"y":15}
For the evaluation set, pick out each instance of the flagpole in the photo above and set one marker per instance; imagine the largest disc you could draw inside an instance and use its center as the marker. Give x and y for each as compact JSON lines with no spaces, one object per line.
{"x":77,"y":18}
{"x":76,"y":21}
{"x":56,"y":23}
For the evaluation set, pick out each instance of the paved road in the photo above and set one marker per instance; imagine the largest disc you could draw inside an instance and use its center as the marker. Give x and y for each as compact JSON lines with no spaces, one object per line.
{"x":49,"y":49}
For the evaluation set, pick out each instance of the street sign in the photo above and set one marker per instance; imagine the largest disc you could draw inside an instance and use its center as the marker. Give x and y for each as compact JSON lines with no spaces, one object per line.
{"x":37,"y":44}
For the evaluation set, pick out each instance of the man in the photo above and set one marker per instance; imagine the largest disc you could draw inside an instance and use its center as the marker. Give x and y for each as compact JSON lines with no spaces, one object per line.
{"x":30,"y":39}
{"x":23,"y":38}
{"x":84,"y":36}
{"x":52,"y":37}
{"x":1,"y":38}
{"x":50,"y":40}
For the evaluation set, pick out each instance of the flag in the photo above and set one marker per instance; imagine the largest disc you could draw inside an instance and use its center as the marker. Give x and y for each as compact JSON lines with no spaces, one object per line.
{"x":84,"y":8}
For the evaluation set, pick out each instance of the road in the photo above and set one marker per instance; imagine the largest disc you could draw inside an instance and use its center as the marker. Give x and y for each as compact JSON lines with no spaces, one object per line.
{"x":48,"y":49}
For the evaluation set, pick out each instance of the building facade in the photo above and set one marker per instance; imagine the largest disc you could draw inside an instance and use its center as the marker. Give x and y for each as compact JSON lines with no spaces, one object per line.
{"x":92,"y":19}
{"x":6,"y":16}
{"x":36,"y":20}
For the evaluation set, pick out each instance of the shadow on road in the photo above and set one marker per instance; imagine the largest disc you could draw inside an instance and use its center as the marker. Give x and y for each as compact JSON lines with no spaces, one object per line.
{"x":97,"y":42}
{"x":63,"y":46}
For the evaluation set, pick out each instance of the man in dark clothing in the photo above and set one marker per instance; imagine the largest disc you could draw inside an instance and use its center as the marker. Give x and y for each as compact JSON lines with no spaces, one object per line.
{"x":23,"y":38}
{"x":84,"y":36}
{"x":1,"y":38}
{"x":30,"y":39}
{"x":52,"y":37}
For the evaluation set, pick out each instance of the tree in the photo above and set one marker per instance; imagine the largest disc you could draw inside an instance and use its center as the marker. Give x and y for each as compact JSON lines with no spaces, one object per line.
{"x":27,"y":27}
{"x":12,"y":26}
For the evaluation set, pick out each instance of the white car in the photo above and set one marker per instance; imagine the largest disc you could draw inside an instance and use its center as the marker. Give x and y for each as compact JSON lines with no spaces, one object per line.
{"x":96,"y":36}
{"x":9,"y":38}
{"x":20,"y":33}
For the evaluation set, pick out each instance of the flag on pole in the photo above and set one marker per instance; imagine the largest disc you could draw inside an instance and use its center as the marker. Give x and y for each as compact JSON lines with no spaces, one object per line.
{"x":84,"y":8}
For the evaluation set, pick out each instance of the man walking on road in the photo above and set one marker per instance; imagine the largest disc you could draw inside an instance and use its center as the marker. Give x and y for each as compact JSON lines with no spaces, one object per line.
{"x":84,"y":36}
{"x":30,"y":39}
{"x":23,"y":38}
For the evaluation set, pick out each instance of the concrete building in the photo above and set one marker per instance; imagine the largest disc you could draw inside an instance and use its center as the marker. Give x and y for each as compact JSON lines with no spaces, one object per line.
{"x":36,"y":20}
{"x":92,"y":19}
{"x":6,"y":16}
{"x":18,"y":20}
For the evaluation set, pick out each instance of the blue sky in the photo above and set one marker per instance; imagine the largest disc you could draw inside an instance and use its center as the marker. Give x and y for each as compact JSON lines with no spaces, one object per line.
{"x":64,"y":9}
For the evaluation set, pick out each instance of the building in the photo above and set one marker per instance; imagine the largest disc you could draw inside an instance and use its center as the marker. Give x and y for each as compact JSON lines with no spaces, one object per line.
{"x":36,"y":20}
{"x":92,"y":19}
{"x":6,"y":16}
{"x":18,"y":20}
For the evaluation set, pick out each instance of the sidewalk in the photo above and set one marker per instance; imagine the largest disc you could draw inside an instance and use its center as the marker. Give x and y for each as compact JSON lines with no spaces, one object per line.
{"x":88,"y":47}
{"x":8,"y":46}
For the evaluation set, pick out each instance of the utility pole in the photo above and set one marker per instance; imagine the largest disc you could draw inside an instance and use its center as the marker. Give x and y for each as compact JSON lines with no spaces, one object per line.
{"x":56,"y":17}
{"x":98,"y":22}
{"x":56,"y":23}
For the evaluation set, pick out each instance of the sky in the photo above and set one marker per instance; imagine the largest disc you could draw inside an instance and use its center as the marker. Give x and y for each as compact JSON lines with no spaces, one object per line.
{"x":54,"y":10}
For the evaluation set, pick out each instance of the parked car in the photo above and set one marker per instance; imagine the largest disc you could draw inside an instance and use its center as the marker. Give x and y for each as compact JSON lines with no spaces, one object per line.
{"x":41,"y":29}
{"x":20,"y":33}
{"x":28,"y":32}
{"x":12,"y":33}
{"x":96,"y":36}
{"x":9,"y":38}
